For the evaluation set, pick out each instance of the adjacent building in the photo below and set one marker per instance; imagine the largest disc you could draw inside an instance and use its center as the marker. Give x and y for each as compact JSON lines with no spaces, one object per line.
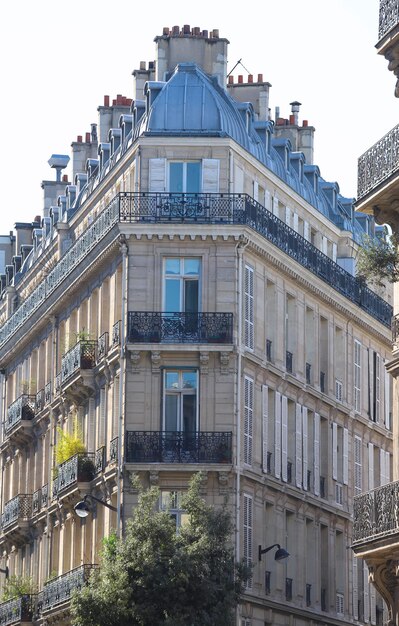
{"x":187,"y":301}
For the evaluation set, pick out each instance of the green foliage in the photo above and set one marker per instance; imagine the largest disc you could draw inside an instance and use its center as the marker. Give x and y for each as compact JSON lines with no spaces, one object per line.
{"x":378,"y":260}
{"x":69,"y":444}
{"x":156,"y":577}
{"x":18,"y":586}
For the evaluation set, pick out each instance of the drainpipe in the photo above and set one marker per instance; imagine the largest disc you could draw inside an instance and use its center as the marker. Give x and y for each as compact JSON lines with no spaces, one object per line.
{"x":125,"y":266}
{"x":47,"y":544}
{"x":240,"y":247}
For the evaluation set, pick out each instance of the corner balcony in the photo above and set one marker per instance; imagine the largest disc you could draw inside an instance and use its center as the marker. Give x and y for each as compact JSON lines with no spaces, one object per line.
{"x":206,"y":328}
{"x":18,"y":611}
{"x":80,"y":468}
{"x":16,"y":516}
{"x":18,"y":425}
{"x":378,"y":177}
{"x":76,"y":369}
{"x":178,"y":447}
{"x":57,"y":593}
{"x":388,"y":36}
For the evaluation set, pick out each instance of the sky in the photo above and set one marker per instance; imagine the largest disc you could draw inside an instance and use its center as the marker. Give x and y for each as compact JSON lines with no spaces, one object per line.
{"x":60,"y":59}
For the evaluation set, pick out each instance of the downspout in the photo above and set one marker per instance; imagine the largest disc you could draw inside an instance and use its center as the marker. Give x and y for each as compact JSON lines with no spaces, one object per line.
{"x":125,"y":266}
{"x":54,"y":359}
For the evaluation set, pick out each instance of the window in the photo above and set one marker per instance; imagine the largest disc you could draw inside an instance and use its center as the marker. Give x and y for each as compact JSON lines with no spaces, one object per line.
{"x":185,"y":176}
{"x":171,"y":502}
{"x":181,"y":285}
{"x":357,"y":375}
{"x":180,"y":410}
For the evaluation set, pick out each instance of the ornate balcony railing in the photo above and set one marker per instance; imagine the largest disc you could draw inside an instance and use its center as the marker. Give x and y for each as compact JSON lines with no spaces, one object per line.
{"x":376,"y":513}
{"x":39,"y":401}
{"x":288,"y":361}
{"x":57,"y":384}
{"x":18,"y":610}
{"x":18,"y":508}
{"x":389,"y":17}
{"x":22,"y":409}
{"x":116,"y":334}
{"x":152,"y":327}
{"x":178,"y":447}
{"x":59,"y":590}
{"x":47,"y":393}
{"x":395,"y":328}
{"x":81,"y":356}
{"x":378,"y":163}
{"x":79,"y":468}
{"x":99,"y":459}
{"x":113,"y":450}
{"x":39,"y":499}
{"x":132,"y":207}
{"x":102,"y":347}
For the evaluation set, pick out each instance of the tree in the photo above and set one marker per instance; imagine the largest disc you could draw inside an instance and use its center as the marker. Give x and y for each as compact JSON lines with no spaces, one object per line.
{"x":378,"y":260}
{"x":157,"y":577}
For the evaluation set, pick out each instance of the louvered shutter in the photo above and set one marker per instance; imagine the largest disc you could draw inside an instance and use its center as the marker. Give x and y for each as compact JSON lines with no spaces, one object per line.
{"x":210,"y":175}
{"x":334,"y":252}
{"x":345,"y":456}
{"x":316,"y":454}
{"x":357,"y":375}
{"x":388,"y":466}
{"x":91,"y":425}
{"x":157,"y":175}
{"x":371,"y":384}
{"x":298,"y":445}
{"x":102,"y":418}
{"x":295,"y":221}
{"x":334,"y":450}
{"x":248,"y":418}
{"x":305,"y":446}
{"x":387,"y":398}
{"x":288,"y":216}
{"x":267,"y":200}
{"x":358,"y":465}
{"x":277,"y":434}
{"x":284,"y":437}
{"x":115,"y":416}
{"x":238,"y":179}
{"x":324,"y":244}
{"x":265,"y":425}
{"x":377,"y":390}
{"x":248,"y":515}
{"x":371,"y":466}
{"x":306,"y":230}
{"x":249,"y":307}
{"x":256,"y":190}
{"x":275,"y":206}
{"x":366,"y":592}
{"x":355,"y":592}
{"x":382,"y":467}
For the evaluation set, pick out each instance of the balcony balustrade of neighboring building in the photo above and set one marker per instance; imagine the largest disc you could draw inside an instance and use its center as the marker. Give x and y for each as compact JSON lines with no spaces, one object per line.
{"x":18,"y":610}
{"x":23,"y":409}
{"x":58,"y":591}
{"x":152,"y":327}
{"x":16,"y":515}
{"x":195,"y":209}
{"x":388,"y":36}
{"x":376,"y":514}
{"x":79,"y":468}
{"x":81,"y":357}
{"x":378,"y":166}
{"x":178,"y":447}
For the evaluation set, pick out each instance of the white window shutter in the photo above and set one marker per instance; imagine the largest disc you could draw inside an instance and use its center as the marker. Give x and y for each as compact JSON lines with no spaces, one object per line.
{"x":383,"y":480}
{"x":324,"y":244}
{"x":210,"y":175}
{"x":298,"y":445}
{"x":256,"y":190}
{"x":91,"y":433}
{"x":238,"y":179}
{"x":371,"y":466}
{"x":284,"y":437}
{"x":295,"y":221}
{"x":248,"y":418}
{"x":387,"y":397}
{"x":157,"y":175}
{"x":102,"y":418}
{"x":275,"y":206}
{"x":277,"y":435}
{"x":249,"y":307}
{"x":366,"y":593}
{"x":373,"y":605}
{"x":247,"y":528}
{"x":334,"y":450}
{"x":388,"y":466}
{"x":377,"y":390}
{"x":288,"y":216}
{"x":345,"y":457}
{"x":306,"y":230}
{"x":357,"y":363}
{"x":316,"y":454}
{"x":371,"y":382}
{"x":334,"y":252}
{"x":115,"y":416}
{"x":305,"y":446}
{"x":265,"y":425}
{"x":357,"y":443}
{"x":267,"y":200}
{"x":355,"y":589}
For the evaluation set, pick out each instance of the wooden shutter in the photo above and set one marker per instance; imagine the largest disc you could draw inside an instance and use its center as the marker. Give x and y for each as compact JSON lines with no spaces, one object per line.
{"x":210,"y":175}
{"x":277,"y":434}
{"x":102,"y":418}
{"x":115,"y":416}
{"x":91,"y":426}
{"x":157,"y":175}
{"x":295,"y":221}
{"x":265,"y":425}
{"x":238,"y":179}
{"x":357,"y":444}
{"x":275,"y":206}
{"x":324,"y":244}
{"x":387,"y":397}
{"x":377,"y":388}
{"x":305,"y":447}
{"x":284,"y":437}
{"x":366,"y":592}
{"x":267,"y":200}
{"x":248,"y":418}
{"x":249,"y":307}
{"x":357,"y":355}
{"x":371,"y":466}
{"x":388,"y":466}
{"x":248,"y":515}
{"x":316,"y":454}
{"x":334,"y":252}
{"x":345,"y":456}
{"x":256,"y":191}
{"x":306,"y":230}
{"x":298,"y":445}
{"x":288,"y":216}
{"x":355,"y":592}
{"x":334,"y":450}
{"x":371,"y":383}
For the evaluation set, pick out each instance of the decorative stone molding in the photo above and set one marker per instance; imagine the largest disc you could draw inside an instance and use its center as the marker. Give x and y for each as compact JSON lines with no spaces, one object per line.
{"x":224,"y":362}
{"x":204,"y":362}
{"x":135,"y":358}
{"x":223,"y":478}
{"x":155,"y":361}
{"x":154,"y":478}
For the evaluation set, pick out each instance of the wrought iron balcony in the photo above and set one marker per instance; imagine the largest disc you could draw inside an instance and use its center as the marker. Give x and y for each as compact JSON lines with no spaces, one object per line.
{"x":379,"y":163}
{"x":308,"y":368}
{"x":81,"y":356}
{"x":113,"y":450}
{"x":59,"y":590}
{"x":99,"y":460}
{"x":39,"y":401}
{"x":376,"y":513}
{"x":18,"y":610}
{"x":288,"y":361}
{"x":79,"y":468}
{"x":151,"y":327}
{"x":116,"y":334}
{"x":18,"y":509}
{"x":102,"y":347}
{"x":22,"y":409}
{"x":395,"y":328}
{"x":178,"y":447}
{"x":47,"y":393}
{"x":389,"y":17}
{"x":39,"y":500}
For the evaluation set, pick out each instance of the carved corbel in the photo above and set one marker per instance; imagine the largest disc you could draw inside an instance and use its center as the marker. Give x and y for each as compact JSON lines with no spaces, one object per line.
{"x":204,"y":362}
{"x":155,"y":361}
{"x":135,"y":358}
{"x":224,"y":362}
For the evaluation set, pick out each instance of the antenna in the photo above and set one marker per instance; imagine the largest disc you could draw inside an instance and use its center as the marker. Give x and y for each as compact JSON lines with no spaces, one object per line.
{"x":238,"y":63}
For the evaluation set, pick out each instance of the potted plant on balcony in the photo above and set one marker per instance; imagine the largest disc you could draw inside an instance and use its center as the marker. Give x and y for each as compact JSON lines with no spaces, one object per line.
{"x":23,"y":587}
{"x":70,"y":444}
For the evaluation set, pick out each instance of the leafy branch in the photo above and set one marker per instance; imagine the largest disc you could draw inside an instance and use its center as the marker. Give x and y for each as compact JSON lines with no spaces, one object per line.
{"x":378,"y":260}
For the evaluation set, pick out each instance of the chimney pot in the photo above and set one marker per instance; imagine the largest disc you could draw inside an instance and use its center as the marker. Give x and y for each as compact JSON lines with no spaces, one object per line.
{"x":292,"y":120}
{"x":87,"y":137}
{"x":250,"y":78}
{"x":280,"y":121}
{"x":231,"y":80}
{"x":205,"y":34}
{"x":215,"y":33}
{"x":165,"y":30}
{"x":186,"y":29}
{"x":305,"y":123}
{"x":175,"y":31}
{"x":196,"y":31}
{"x":142,"y":65}
{"x":106,"y":101}
{"x":113,"y":103}
{"x":240,"y":78}
{"x":65,"y":178}
{"x":260,"y":78}
{"x":79,"y":139}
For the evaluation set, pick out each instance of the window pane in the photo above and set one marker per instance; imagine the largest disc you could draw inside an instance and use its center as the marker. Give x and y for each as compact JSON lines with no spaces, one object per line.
{"x":193,"y":177}
{"x":172,"y":380}
{"x":191,"y":267}
{"x":191,"y":296}
{"x":176,"y":177}
{"x":172,"y":266}
{"x":189,"y":413}
{"x":172,"y":295}
{"x":189,"y":380}
{"x":171,"y":408}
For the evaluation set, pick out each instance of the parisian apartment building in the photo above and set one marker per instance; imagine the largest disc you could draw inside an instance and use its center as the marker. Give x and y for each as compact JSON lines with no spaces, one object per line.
{"x":186,"y":300}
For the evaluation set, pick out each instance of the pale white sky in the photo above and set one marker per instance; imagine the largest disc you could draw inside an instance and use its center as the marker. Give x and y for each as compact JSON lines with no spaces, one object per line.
{"x":59,"y":59}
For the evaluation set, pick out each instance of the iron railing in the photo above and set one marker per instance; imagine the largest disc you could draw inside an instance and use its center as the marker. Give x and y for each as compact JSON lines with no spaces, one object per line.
{"x":39,"y":499}
{"x":269,"y":344}
{"x":81,"y":356}
{"x":59,"y":590}
{"x":178,"y":447}
{"x":288,"y":361}
{"x":18,"y":508}
{"x":116,"y":334}
{"x":308,"y":373}
{"x":395,"y":328}
{"x":113,"y":450}
{"x":132,"y":207}
{"x":39,"y":401}
{"x":99,"y":460}
{"x":17,"y":610}
{"x":22,"y":409}
{"x":378,"y":163}
{"x":389,"y":17}
{"x":322,"y":381}
{"x":152,"y":327}
{"x":102,"y":346}
{"x":79,"y":468}
{"x":47,"y":393}
{"x":376,"y":513}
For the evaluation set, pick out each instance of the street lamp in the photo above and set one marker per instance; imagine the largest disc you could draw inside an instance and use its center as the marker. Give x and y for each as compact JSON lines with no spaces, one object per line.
{"x":82,"y":508}
{"x":281,"y":553}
